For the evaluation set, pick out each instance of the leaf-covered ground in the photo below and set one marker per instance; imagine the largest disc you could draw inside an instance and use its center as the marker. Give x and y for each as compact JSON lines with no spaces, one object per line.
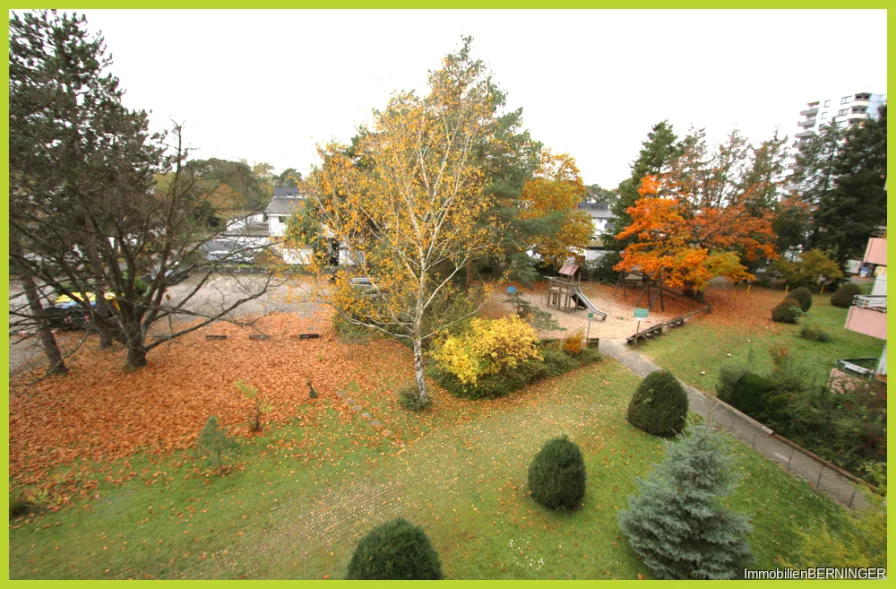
{"x":309,"y":487}
{"x":67,"y":433}
{"x":740,"y":329}
{"x":102,"y":412}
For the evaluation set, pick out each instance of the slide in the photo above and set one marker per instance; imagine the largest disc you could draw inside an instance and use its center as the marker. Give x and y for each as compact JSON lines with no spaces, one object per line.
{"x":582,"y":302}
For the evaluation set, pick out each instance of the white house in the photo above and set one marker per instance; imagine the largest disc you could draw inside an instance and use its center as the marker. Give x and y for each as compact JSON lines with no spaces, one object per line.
{"x":283,"y":206}
{"x":602,"y":221}
{"x":251,"y":224}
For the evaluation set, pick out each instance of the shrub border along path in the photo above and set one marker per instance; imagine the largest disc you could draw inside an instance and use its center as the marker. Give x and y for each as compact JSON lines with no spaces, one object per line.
{"x":748,"y":431}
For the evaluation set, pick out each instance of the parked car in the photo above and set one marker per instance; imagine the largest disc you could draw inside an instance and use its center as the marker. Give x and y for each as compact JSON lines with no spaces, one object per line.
{"x":366,"y":286}
{"x":69,"y":313}
{"x":228,"y":250}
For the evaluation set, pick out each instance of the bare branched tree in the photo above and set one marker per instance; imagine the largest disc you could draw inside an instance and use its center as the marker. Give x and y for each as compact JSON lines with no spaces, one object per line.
{"x":88,"y":218}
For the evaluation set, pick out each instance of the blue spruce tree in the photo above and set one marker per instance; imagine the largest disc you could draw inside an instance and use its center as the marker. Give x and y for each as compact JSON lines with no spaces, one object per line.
{"x":677,"y":525}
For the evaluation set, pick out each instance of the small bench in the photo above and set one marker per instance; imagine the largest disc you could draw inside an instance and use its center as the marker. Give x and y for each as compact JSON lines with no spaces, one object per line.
{"x":649,"y":332}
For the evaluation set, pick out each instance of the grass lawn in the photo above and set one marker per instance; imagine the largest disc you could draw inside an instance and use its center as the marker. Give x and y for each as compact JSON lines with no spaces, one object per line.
{"x":306,"y":490}
{"x":706,"y":345}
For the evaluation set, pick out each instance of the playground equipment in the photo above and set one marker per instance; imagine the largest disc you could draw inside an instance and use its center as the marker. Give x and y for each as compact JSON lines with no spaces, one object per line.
{"x":561,"y":287}
{"x":626,"y":281}
{"x":564,"y":291}
{"x":582,"y":302}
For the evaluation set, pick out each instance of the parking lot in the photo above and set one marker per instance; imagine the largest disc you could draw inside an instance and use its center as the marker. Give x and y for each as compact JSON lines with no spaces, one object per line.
{"x":218,"y":292}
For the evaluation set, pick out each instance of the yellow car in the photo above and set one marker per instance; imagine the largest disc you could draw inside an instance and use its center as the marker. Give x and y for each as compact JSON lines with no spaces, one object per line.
{"x":67,"y":313}
{"x":66,"y":301}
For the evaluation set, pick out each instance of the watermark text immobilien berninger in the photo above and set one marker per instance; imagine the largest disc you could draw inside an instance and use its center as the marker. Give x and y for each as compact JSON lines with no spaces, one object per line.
{"x":818,"y":573}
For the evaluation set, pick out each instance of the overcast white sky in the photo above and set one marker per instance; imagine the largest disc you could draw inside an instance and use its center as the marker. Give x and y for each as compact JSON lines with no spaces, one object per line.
{"x":268,"y":85}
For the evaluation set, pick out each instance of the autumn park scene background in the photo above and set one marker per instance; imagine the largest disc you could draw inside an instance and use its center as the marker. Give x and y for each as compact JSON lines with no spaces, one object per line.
{"x":406,"y":363}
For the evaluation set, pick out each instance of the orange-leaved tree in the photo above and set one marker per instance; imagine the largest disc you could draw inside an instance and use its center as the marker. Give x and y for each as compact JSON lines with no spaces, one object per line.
{"x":406,"y":204}
{"x":686,"y":239}
{"x":552,"y":195}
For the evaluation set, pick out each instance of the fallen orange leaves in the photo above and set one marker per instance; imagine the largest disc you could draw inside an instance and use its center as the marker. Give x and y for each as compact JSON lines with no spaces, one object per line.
{"x":100,"y":414}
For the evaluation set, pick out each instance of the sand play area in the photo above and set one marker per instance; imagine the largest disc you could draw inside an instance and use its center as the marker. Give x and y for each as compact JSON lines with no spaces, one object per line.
{"x":620,"y":322}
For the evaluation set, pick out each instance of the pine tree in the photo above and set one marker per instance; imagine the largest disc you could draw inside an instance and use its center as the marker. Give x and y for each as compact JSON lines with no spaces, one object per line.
{"x":659,"y":150}
{"x":69,"y":136}
{"x":849,"y":212}
{"x":677,"y":525}
{"x":87,"y":214}
{"x":214,"y":444}
{"x":767,"y":173}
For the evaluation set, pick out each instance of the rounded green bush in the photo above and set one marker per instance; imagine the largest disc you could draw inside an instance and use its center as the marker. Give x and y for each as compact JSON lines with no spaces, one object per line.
{"x":660,"y":405}
{"x":410,"y":399}
{"x":18,"y":505}
{"x":751,"y":392}
{"x":557,"y":475}
{"x":803,"y":296}
{"x":845,"y":294}
{"x":815,"y":334}
{"x":395,"y":550}
{"x":787,"y":311}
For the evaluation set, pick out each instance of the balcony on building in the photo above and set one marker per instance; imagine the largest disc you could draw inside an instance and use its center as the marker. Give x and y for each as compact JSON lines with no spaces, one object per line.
{"x":811,"y":111}
{"x":876,"y":250}
{"x":805,"y":134}
{"x":807,"y":122}
{"x":868,"y":315}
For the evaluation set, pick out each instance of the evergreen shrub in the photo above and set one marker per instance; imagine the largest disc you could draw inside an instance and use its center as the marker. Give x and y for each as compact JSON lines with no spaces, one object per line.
{"x":557,"y":475}
{"x":395,"y":550}
{"x":659,"y":405}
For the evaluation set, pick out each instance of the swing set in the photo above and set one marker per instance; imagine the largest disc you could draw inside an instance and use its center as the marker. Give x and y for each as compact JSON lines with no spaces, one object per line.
{"x":653,"y":288}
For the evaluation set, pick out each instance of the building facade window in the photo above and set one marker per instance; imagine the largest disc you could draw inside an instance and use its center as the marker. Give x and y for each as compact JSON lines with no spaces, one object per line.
{"x":824,"y":115}
{"x":845,"y":99}
{"x":842,"y":111}
{"x":827,"y":103}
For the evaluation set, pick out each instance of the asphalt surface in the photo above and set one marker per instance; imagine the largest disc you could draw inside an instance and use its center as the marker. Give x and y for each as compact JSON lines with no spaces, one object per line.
{"x":219,"y":292}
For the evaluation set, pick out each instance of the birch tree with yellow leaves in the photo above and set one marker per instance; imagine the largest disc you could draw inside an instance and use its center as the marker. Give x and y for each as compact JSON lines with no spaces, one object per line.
{"x":406,"y":203}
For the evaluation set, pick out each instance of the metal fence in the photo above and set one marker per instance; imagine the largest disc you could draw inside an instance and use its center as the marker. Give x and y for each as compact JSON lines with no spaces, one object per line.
{"x":836,"y":483}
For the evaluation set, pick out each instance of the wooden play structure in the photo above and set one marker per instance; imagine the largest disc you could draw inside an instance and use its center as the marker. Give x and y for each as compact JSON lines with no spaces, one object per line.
{"x":565,"y":293}
{"x":562,"y":287}
{"x":647,"y":285}
{"x":626,"y":281}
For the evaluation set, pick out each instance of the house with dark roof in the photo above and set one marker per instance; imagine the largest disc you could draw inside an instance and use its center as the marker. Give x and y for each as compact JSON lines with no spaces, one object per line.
{"x":285,"y":203}
{"x":286,"y":191}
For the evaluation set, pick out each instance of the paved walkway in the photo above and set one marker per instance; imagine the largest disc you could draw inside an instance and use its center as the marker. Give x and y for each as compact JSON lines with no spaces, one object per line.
{"x":834,"y":485}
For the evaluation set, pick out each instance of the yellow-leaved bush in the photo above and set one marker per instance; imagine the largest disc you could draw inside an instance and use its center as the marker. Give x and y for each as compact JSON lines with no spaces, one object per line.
{"x":489,"y":347}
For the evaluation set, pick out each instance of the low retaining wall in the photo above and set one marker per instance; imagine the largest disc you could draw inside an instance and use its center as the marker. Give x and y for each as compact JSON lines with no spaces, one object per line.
{"x":593,"y":342}
{"x":231,"y":271}
{"x":820,"y":462}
